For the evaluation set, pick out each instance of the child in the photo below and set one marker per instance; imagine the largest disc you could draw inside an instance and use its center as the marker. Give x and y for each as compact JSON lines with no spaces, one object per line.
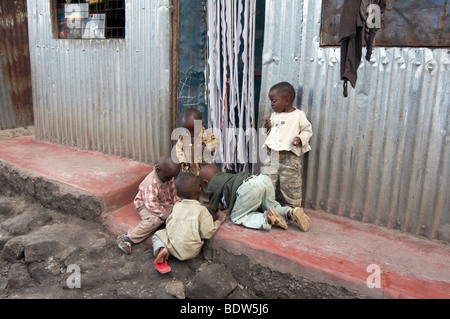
{"x":289,"y":132}
{"x":187,"y":227}
{"x":243,"y":194}
{"x":192,"y":148}
{"x":154,"y":202}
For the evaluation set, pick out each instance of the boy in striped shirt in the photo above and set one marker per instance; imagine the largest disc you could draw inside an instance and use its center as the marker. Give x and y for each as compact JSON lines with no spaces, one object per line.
{"x":154,"y":202}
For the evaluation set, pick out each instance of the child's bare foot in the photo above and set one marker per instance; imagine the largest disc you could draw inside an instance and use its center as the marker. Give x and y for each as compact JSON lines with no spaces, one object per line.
{"x":276,"y":219}
{"x":161,"y":262}
{"x":161,"y":255}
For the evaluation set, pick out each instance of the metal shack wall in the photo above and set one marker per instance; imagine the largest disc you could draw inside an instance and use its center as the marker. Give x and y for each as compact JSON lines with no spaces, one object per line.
{"x":16,"y":104}
{"x":382,"y":154}
{"x":107,"y":95}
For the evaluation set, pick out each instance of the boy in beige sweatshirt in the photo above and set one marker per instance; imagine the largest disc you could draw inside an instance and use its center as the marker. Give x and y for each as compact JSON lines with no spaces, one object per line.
{"x":289,"y":132}
{"x":189,"y":225}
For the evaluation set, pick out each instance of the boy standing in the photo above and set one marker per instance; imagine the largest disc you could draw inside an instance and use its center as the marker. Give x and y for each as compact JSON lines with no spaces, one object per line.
{"x":187,"y":227}
{"x":289,"y":132}
{"x":154,"y":202}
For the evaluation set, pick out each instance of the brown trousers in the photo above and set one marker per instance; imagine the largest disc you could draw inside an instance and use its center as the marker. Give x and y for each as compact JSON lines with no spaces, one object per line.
{"x":149,"y":223}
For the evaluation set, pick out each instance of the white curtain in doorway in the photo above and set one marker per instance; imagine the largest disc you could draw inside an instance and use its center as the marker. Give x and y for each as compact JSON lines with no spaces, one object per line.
{"x":230,"y":81}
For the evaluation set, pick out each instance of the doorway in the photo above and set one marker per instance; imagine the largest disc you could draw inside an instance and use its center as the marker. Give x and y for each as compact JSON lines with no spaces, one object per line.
{"x":235,"y":34}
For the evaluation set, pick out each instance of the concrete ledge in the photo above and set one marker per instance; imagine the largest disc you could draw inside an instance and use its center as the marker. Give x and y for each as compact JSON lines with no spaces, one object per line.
{"x":332,"y":260}
{"x":79,"y":182}
{"x":119,"y":221}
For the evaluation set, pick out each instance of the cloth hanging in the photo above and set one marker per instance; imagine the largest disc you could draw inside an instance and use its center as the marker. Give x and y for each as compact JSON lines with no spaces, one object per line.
{"x":371,"y":29}
{"x":350,"y":37}
{"x":230,"y":72}
{"x":354,"y":22}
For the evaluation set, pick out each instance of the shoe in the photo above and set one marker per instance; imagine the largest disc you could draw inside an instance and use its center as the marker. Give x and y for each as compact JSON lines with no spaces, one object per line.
{"x":124,"y":243}
{"x":299,"y":217}
{"x":163,"y":267}
{"x":276,"y":219}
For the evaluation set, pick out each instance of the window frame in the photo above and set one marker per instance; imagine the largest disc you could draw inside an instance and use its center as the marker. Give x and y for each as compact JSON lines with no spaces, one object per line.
{"x":121,"y":29}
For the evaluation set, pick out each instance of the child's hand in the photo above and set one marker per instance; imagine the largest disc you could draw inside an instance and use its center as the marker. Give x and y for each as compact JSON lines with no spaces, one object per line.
{"x":267,"y":123}
{"x":222,"y":215}
{"x":296,"y":141}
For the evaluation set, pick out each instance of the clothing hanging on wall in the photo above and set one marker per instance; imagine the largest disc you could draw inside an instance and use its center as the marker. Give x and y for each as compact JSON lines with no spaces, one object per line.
{"x":354,"y":22}
{"x":371,"y":28}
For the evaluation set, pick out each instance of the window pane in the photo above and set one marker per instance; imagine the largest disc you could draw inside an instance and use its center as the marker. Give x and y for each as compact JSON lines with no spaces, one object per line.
{"x":90,"y":19}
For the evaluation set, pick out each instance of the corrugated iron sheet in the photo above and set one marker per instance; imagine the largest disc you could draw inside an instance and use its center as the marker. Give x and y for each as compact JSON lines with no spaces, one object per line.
{"x":113,"y":95}
{"x":16,"y":105}
{"x":382,"y":154}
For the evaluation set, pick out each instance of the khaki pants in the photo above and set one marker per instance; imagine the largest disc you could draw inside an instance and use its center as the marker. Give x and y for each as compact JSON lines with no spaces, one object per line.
{"x":253,"y":198}
{"x":288,"y":179}
{"x":149,"y":223}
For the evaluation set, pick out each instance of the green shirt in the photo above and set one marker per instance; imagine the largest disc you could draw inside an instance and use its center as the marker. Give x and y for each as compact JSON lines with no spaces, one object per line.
{"x":226,"y":185}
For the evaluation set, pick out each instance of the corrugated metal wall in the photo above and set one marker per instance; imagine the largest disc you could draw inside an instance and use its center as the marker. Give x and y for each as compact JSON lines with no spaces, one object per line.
{"x":382,"y":154}
{"x":16,"y":104}
{"x":113,"y":95}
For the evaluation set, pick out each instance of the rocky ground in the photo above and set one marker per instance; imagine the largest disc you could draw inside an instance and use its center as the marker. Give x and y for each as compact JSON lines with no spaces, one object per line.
{"x":48,"y":253}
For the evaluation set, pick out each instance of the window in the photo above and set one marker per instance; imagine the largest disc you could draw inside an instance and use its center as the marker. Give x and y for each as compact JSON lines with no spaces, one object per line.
{"x":90,"y":19}
{"x":406,"y":23}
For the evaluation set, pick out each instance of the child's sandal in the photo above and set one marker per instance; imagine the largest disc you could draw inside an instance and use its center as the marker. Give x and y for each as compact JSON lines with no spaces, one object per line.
{"x":163,"y":267}
{"x":299,"y":217}
{"x":276,"y":219}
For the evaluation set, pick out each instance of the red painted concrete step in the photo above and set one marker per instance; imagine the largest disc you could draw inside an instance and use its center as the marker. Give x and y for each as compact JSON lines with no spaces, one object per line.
{"x":335,"y":250}
{"x":122,"y":219}
{"x":338,"y":251}
{"x":112,"y":180}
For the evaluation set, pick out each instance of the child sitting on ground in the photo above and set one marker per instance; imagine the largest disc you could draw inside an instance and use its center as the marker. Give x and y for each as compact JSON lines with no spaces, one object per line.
{"x":154,"y":202}
{"x":243,"y":194}
{"x":187,"y":227}
{"x":289,"y":132}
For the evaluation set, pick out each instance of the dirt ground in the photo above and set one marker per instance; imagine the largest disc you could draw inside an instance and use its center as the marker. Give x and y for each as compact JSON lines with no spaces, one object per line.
{"x":44,"y":252}
{"x":48,"y":253}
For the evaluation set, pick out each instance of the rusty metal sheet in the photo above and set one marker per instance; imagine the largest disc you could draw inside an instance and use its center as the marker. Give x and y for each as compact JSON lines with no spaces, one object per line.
{"x":16,"y":108}
{"x":407,"y":23}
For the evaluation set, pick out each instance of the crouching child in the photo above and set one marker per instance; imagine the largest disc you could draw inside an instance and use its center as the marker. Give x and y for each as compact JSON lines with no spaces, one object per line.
{"x":189,"y":225}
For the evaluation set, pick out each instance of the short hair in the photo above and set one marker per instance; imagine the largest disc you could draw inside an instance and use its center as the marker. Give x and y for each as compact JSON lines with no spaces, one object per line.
{"x":186,"y":185}
{"x":285,"y":89}
{"x":207,"y":171}
{"x":166,"y":163}
{"x":192,"y":114}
